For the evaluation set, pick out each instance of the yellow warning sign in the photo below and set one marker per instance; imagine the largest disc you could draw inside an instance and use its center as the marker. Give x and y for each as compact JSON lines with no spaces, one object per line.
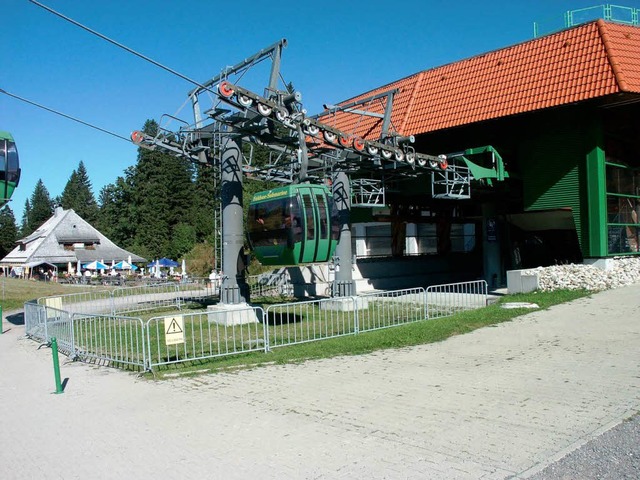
{"x":174,"y":330}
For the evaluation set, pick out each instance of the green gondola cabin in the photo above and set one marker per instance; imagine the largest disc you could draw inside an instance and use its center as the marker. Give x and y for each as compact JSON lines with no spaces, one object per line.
{"x":293,"y":225}
{"x":9,"y":167}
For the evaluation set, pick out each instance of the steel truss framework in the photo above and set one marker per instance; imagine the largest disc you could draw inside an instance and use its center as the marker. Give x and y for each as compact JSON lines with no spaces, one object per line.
{"x":302,"y":148}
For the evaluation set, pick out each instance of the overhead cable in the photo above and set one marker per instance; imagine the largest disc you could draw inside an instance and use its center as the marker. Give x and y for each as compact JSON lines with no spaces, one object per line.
{"x":118,"y":44}
{"x":65,"y":115}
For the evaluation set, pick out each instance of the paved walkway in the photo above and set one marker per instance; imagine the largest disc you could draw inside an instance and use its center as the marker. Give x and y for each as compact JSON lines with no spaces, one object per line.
{"x":500,"y":402}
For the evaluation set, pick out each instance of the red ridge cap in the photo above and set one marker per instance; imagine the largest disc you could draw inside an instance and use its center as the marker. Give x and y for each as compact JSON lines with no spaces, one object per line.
{"x":608,"y":47}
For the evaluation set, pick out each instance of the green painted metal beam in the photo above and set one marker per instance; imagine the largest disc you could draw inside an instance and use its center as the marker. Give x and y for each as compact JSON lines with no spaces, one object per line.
{"x":479,"y":172}
{"x":596,"y":199}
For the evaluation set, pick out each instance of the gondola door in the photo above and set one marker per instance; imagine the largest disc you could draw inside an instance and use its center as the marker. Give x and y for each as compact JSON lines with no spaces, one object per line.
{"x":317,"y":243}
{"x":323,"y":250}
{"x":310,"y":227}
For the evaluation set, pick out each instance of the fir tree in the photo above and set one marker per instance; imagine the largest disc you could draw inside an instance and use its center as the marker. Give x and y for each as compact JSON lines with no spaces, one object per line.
{"x":116,"y":218}
{"x":162,"y":192}
{"x":8,"y":231}
{"x":37,"y":209}
{"x":78,"y":195}
{"x":24,"y":224}
{"x":206,"y":201}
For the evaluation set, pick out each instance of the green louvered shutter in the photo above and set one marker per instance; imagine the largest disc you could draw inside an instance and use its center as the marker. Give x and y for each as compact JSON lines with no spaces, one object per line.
{"x":551,"y":173}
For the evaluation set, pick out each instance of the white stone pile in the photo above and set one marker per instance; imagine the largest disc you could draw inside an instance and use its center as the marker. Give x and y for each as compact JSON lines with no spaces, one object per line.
{"x":622,"y":271}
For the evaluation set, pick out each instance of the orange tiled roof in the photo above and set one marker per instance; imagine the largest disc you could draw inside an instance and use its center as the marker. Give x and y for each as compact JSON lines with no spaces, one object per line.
{"x":591,"y":60}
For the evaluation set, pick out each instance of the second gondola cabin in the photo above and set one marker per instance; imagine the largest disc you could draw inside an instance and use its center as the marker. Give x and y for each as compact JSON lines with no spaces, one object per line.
{"x":9,"y":167}
{"x":293,"y":225}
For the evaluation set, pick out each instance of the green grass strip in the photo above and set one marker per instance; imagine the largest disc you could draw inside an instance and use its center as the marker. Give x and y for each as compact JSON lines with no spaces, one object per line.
{"x":417,"y":333}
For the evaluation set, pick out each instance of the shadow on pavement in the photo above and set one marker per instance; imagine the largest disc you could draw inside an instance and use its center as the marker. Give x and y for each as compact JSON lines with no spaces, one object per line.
{"x":16,"y":318}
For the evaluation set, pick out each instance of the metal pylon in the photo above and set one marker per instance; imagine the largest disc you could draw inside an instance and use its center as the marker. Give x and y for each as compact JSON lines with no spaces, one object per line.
{"x":217,"y":212}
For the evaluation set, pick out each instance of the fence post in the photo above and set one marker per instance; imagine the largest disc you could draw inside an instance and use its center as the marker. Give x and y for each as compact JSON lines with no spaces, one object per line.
{"x":112,"y":301}
{"x":426,"y":303}
{"x":56,"y":365}
{"x":1,"y":327}
{"x":356,"y":318}
{"x":146,"y":345}
{"x":265,"y":329}
{"x":46,"y":324}
{"x":72,"y":334}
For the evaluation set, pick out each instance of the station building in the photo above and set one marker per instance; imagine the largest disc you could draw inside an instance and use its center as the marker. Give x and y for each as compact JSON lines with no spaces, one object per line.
{"x":562,"y":111}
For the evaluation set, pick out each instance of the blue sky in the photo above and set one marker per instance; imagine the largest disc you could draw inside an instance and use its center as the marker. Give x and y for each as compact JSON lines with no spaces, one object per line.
{"x":336,"y":50}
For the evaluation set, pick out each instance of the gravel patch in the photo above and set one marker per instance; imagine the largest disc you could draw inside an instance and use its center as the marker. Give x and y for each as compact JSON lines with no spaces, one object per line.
{"x":623,"y":271}
{"x":614,"y":455}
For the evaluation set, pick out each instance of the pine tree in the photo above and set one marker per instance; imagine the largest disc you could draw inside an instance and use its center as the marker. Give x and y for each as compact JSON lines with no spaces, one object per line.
{"x":116,"y":218}
{"x":37,"y":209}
{"x":206,"y":201}
{"x":78,"y":195}
{"x":8,"y":231}
{"x":183,"y":239}
{"x":24,"y":224}
{"x":162,"y":192}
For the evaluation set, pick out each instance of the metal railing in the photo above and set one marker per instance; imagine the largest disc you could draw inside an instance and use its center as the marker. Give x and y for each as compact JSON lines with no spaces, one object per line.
{"x":92,"y":301}
{"x":34,"y":321}
{"x":204,"y":335}
{"x":570,"y":18}
{"x":140,"y":298}
{"x":389,"y":309}
{"x":109,"y":339}
{"x":301,"y":322}
{"x":449,"y":299}
{"x":124,"y":341}
{"x":271,"y":284}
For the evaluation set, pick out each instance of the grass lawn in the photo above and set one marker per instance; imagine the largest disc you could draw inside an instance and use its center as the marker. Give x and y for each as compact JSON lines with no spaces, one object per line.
{"x":410,"y":334}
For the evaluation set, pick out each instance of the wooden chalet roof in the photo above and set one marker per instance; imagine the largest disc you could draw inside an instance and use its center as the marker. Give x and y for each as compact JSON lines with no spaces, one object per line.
{"x":592,"y":60}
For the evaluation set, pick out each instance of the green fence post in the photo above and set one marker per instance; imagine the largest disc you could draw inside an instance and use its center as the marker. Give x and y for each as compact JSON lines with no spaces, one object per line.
{"x":56,"y":365}
{"x":1,"y":327}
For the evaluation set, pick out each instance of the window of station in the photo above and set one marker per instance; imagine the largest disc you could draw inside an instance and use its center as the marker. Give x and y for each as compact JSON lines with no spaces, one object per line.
{"x":623,"y":207}
{"x":378,"y":240}
{"x":622,"y":163}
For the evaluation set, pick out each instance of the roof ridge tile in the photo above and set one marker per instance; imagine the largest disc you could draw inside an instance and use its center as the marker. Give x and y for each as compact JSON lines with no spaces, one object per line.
{"x":608,"y":47}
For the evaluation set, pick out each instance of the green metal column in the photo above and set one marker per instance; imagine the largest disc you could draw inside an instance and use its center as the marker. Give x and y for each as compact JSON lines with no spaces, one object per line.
{"x":596,"y":234}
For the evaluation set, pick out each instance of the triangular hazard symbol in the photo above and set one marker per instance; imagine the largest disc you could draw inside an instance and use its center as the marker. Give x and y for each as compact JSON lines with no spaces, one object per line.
{"x":174,"y":327}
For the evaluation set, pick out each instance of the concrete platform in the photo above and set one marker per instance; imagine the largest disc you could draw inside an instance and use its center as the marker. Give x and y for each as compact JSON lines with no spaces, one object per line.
{"x":229,"y":315}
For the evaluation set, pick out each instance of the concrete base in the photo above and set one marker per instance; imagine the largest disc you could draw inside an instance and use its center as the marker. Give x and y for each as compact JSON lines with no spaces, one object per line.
{"x":522,"y":281}
{"x":604,"y":264}
{"x":229,"y":315}
{"x":345,"y":304}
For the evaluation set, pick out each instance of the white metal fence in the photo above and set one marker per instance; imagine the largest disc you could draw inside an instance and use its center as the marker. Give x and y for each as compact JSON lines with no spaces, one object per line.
{"x":125,"y":300}
{"x":106,"y":339}
{"x":301,"y":322}
{"x":124,"y":341}
{"x":452,"y":298}
{"x":391,"y":308}
{"x":109,"y":339}
{"x":204,"y":335}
